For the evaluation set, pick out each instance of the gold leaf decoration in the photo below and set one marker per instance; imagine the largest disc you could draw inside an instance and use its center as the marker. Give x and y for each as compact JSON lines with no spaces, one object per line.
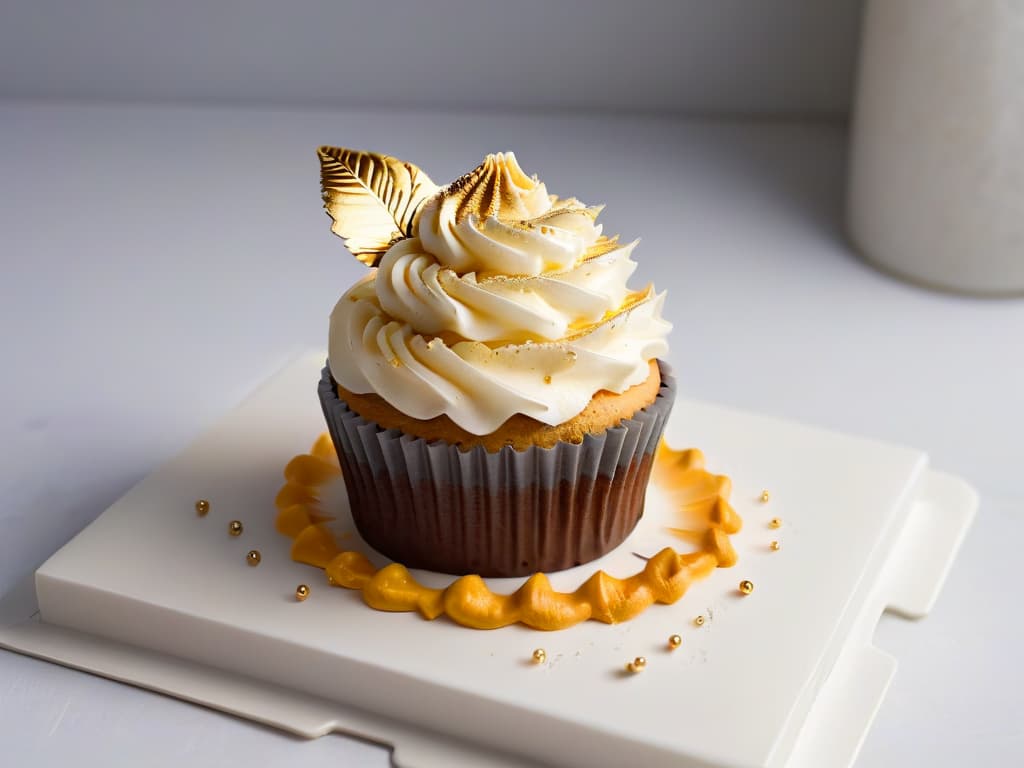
{"x":373,"y":199}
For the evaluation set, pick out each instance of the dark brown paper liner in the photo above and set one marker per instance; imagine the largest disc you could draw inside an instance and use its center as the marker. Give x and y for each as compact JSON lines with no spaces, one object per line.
{"x":426,"y":504}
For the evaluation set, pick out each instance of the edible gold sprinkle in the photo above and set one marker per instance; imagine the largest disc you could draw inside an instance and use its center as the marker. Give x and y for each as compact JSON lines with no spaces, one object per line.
{"x":775,"y":546}
{"x":301,"y":592}
{"x":699,"y":621}
{"x":547,"y":379}
{"x":235,"y":527}
{"x":540,"y":656}
{"x":765,"y":496}
{"x":202,"y":507}
{"x":639,"y":664}
{"x":254,"y":557}
{"x":746,"y":586}
{"x":776,"y":522}
{"x":674,"y":641}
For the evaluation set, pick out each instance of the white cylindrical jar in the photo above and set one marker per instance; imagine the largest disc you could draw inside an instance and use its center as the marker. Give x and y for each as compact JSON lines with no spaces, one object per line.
{"x":936,"y":186}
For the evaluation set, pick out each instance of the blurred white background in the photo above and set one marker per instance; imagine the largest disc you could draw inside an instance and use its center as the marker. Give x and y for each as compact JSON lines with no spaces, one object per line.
{"x":726,"y":56}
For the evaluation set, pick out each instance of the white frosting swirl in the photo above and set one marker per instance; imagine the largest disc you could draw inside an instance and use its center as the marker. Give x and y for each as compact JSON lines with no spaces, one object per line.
{"x":497,"y":220}
{"x":506,"y":300}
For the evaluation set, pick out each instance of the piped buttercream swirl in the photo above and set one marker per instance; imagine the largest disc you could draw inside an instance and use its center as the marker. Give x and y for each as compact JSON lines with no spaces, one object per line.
{"x":504,"y":300}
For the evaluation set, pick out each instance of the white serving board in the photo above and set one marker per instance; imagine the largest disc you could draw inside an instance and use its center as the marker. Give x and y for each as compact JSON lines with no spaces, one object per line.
{"x":152,"y":595}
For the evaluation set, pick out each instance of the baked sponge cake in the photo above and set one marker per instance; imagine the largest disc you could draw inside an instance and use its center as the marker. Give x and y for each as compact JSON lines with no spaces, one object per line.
{"x":494,"y":388}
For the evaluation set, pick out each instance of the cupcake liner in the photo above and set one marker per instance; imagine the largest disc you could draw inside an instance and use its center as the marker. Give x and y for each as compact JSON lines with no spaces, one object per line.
{"x":427,"y":504}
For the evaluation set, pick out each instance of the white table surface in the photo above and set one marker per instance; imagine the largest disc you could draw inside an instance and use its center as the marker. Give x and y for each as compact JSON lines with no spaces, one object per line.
{"x":158,"y":263}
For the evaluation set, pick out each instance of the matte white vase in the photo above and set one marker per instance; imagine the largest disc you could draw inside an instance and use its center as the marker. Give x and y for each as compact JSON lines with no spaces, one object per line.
{"x":936,"y":186}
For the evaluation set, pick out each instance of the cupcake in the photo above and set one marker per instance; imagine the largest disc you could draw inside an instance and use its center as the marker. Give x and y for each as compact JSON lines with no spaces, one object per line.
{"x":493,"y":387}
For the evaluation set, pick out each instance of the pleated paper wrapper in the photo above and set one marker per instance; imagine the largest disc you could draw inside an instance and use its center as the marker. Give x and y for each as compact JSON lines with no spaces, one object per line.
{"x":428,"y":504}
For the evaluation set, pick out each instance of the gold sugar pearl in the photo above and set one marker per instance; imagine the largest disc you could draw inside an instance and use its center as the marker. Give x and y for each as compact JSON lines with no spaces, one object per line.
{"x":547,"y":379}
{"x":765,"y":496}
{"x":235,"y":527}
{"x":674,"y":641}
{"x":699,"y":621}
{"x":775,"y":546}
{"x":639,"y":664}
{"x":746,"y":586}
{"x":775,"y":522}
{"x":301,"y":592}
{"x":254,"y":557}
{"x":202,"y":507}
{"x":540,"y":656}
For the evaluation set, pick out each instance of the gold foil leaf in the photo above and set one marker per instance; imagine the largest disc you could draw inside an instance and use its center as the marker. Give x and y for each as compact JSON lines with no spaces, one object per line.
{"x":373,"y":199}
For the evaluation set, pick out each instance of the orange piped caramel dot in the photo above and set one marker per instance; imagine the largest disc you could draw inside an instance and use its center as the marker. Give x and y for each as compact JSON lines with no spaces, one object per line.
{"x":723,"y":516}
{"x":393,"y":588}
{"x":351,"y":570}
{"x":291,"y":521}
{"x":635,"y":599}
{"x":698,"y":490}
{"x":323,"y":449}
{"x":604,"y":594}
{"x":469,"y":602}
{"x":670,"y":462}
{"x":717,"y":543}
{"x":310,"y":471}
{"x":291,"y":494}
{"x":314,"y":546}
{"x":699,"y":564}
{"x":667,"y":576}
{"x":544,"y":608}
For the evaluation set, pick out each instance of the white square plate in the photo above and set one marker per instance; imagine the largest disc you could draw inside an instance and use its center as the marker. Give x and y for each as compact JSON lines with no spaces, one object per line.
{"x":152,"y":594}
